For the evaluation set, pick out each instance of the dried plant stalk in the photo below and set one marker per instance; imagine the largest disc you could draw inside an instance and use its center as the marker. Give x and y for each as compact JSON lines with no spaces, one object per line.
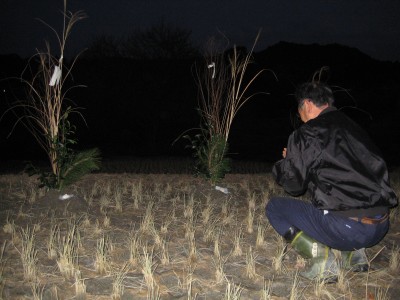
{"x":217,"y":252}
{"x":9,"y":227}
{"x":219,"y":263}
{"x":188,"y":207}
{"x":237,"y":249}
{"x":232,"y":291}
{"x":207,"y":213}
{"x":106,"y":221}
{"x":2,"y":263}
{"x":266,"y":292}
{"x":148,"y":219}
{"x":137,"y":193}
{"x":148,"y":268}
{"x":80,"y":286}
{"x":118,"y":201}
{"x":29,"y":254}
{"x":210,"y":231}
{"x":104,"y":203}
{"x":277,"y":260}
{"x":294,"y":291}
{"x":250,"y":264}
{"x":394,"y":260}
{"x":118,"y":282}
{"x":250,"y":219}
{"x":54,"y":237}
{"x":68,"y":251}
{"x":164,"y":253}
{"x":134,"y":245}
{"x":102,"y":260}
{"x":37,"y":290}
{"x":260,"y":241}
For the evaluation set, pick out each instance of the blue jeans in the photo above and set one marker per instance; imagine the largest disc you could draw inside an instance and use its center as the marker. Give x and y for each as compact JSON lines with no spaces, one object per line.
{"x":335,"y":231}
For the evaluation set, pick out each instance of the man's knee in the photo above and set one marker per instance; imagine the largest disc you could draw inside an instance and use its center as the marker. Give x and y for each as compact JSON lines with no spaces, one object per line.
{"x":272,"y":206}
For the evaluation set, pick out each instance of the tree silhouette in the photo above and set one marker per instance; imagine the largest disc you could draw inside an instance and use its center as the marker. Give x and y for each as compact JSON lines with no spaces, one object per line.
{"x":161,"y":41}
{"x":103,"y":46}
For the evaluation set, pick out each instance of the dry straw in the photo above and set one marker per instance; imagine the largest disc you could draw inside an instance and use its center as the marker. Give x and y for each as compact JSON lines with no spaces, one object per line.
{"x":102,"y":259}
{"x":260,"y":241}
{"x":118,"y":282}
{"x":134,"y":244}
{"x":68,"y":250}
{"x":250,"y":264}
{"x":147,"y":268}
{"x":2,"y":264}
{"x":9,"y":227}
{"x":237,"y":248}
{"x":80,"y":286}
{"x":37,"y":290}
{"x":394,"y":260}
{"x":137,"y":193}
{"x":232,"y":291}
{"x":277,"y":260}
{"x":29,"y":254}
{"x":54,"y":237}
{"x":266,"y":292}
{"x":294,"y":291}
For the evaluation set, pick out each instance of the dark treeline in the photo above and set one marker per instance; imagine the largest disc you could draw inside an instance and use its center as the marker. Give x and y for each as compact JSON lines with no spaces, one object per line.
{"x":138,"y":107}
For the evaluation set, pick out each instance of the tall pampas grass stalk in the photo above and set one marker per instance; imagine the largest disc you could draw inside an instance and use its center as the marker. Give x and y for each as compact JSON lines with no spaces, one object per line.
{"x":44,"y":112}
{"x":223,"y":87}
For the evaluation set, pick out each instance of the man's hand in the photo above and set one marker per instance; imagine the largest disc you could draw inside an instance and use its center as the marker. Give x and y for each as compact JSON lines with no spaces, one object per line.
{"x":284,"y":152}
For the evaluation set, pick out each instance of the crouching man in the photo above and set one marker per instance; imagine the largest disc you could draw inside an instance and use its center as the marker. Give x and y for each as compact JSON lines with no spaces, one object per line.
{"x":334,"y":159}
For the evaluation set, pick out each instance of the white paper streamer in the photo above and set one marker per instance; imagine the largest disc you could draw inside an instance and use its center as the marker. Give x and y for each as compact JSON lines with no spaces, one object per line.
{"x":65,"y":196}
{"x":55,"y":78}
{"x":212,"y":65}
{"x":222,"y":189}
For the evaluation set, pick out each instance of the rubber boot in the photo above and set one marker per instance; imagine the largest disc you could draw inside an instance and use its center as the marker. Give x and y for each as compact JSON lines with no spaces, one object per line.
{"x":355,"y":261}
{"x":323,"y":264}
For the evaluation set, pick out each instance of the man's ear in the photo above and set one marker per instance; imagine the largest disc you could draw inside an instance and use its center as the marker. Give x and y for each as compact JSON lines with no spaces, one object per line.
{"x":308,"y":104}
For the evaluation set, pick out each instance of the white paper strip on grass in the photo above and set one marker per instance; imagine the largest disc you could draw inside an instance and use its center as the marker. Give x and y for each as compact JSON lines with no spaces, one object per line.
{"x":65,"y":196}
{"x":212,"y":65}
{"x":55,"y":78}
{"x":222,"y":189}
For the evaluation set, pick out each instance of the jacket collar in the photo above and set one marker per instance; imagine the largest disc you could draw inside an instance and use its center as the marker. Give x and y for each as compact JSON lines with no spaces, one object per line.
{"x":327,"y":110}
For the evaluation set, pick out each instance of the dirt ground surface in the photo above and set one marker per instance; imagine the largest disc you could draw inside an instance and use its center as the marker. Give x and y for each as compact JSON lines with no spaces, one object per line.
{"x":133,"y":236}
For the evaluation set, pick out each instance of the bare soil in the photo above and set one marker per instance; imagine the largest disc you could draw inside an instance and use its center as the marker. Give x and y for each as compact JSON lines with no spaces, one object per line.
{"x":191,"y":257}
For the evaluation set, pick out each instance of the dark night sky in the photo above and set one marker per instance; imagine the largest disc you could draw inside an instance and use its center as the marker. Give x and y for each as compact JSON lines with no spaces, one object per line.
{"x":372,"y":26}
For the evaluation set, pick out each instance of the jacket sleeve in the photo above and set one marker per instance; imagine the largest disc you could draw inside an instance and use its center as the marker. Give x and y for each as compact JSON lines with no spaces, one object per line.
{"x":303,"y":152}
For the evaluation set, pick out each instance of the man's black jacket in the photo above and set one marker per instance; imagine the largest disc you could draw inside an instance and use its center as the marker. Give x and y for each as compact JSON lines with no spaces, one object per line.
{"x":336,"y":161}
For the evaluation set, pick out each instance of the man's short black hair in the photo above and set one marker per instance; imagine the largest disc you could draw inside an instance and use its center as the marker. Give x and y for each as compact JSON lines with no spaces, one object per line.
{"x":318,"y":93}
